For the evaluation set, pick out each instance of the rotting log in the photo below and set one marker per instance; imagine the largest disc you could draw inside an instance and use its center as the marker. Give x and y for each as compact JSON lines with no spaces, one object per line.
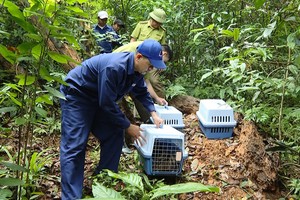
{"x":185,"y":104}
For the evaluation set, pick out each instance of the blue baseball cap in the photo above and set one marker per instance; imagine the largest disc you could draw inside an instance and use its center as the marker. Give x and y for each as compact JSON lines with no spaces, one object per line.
{"x":152,"y":50}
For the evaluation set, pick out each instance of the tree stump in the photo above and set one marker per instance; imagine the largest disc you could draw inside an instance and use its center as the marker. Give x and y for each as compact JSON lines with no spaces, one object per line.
{"x":185,"y":104}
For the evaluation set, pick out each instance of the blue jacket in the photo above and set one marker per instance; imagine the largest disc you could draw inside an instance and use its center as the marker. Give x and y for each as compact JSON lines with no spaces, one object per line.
{"x":105,"y":79}
{"x":106,"y":38}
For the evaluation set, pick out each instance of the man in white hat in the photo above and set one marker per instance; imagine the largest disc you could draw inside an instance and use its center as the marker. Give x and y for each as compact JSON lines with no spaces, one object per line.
{"x":105,"y":35}
{"x":152,"y":28}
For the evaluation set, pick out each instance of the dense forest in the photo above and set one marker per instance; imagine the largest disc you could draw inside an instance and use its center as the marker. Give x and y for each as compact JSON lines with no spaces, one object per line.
{"x":244,"y":52}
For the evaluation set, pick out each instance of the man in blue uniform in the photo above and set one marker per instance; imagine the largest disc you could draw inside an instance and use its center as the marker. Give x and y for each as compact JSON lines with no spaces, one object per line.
{"x":90,"y":105}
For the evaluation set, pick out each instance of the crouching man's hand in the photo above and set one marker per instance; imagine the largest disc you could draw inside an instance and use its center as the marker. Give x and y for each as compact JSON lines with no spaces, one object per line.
{"x":157,"y":120}
{"x":135,"y":132}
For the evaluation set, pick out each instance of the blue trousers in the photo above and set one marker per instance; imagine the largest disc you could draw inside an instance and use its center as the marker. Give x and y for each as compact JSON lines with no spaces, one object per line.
{"x":80,"y":116}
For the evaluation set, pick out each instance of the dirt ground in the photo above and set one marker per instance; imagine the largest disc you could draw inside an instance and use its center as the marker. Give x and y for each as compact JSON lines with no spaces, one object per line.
{"x":239,"y":165}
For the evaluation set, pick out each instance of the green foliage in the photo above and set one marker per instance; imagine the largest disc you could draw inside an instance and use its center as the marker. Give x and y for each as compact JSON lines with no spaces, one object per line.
{"x":34,"y":169}
{"x":183,"y":188}
{"x":174,"y":90}
{"x":101,"y":192}
{"x":295,"y":187}
{"x":7,"y":181}
{"x":138,"y":187}
{"x":245,"y":52}
{"x":38,"y":162}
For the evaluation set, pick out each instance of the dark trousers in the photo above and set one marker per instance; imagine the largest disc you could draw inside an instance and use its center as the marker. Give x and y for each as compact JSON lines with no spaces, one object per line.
{"x":80,"y":116}
{"x":159,"y":90}
{"x":143,"y":112}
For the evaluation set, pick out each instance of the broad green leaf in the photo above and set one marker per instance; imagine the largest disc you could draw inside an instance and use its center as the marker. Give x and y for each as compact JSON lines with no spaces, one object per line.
{"x":13,"y":9}
{"x":45,"y":74}
{"x":50,"y":10}
{"x":222,"y":93}
{"x":55,"y":92}
{"x":7,"y":34}
{"x":257,"y":93}
{"x":295,"y":113}
{"x":13,"y":86}
{"x":7,"y":109}
{"x":269,"y":29}
{"x":58,"y":57}
{"x":82,"y":1}
{"x":14,"y":100}
{"x":236,"y":34}
{"x":25,"y":58}
{"x":227,"y":33}
{"x":76,"y":1}
{"x":245,"y":88}
{"x":75,"y":9}
{"x":128,"y":178}
{"x":25,"y":25}
{"x":37,"y":51}
{"x":147,"y":182}
{"x":44,"y":71}
{"x":292,"y":18}
{"x":183,"y":188}
{"x":237,"y":78}
{"x":291,"y":40}
{"x":297,"y":61}
{"x":209,"y":27}
{"x":243,"y":67}
{"x":34,"y":6}
{"x":204,"y":76}
{"x":25,"y":80}
{"x":35,"y":37}
{"x":11,"y":182}
{"x":66,"y":36}
{"x":33,"y":162}
{"x":26,"y":47}
{"x":5,"y":193}
{"x":44,"y":99}
{"x":20,"y":121}
{"x":234,"y":63}
{"x":259,"y":3}
{"x":72,"y":40}
{"x":196,"y":36}
{"x":101,"y":192}
{"x":293,"y":69}
{"x":59,"y":80}
{"x":41,"y":111}
{"x":13,"y":166}
{"x":8,"y":55}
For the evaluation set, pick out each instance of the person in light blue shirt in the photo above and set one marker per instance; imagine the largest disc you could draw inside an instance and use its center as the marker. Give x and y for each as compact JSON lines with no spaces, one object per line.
{"x":91,"y":105}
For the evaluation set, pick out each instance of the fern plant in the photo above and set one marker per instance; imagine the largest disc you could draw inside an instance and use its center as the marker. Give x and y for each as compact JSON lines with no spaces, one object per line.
{"x":295,"y":188}
{"x":138,"y":186}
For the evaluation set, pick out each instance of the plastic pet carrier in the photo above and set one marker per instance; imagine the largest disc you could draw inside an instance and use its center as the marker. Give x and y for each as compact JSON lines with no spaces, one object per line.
{"x":163,"y":153}
{"x":170,"y":115}
{"x":216,"y":118}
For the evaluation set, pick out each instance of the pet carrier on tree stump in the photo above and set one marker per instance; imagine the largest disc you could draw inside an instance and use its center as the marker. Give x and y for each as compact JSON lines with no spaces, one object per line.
{"x":216,"y":118}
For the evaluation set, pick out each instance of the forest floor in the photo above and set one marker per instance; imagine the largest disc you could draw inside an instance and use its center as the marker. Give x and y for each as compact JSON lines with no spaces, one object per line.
{"x":239,"y":165}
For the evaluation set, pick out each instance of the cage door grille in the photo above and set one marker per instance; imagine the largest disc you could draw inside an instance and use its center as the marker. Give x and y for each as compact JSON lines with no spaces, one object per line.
{"x":164,"y":155}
